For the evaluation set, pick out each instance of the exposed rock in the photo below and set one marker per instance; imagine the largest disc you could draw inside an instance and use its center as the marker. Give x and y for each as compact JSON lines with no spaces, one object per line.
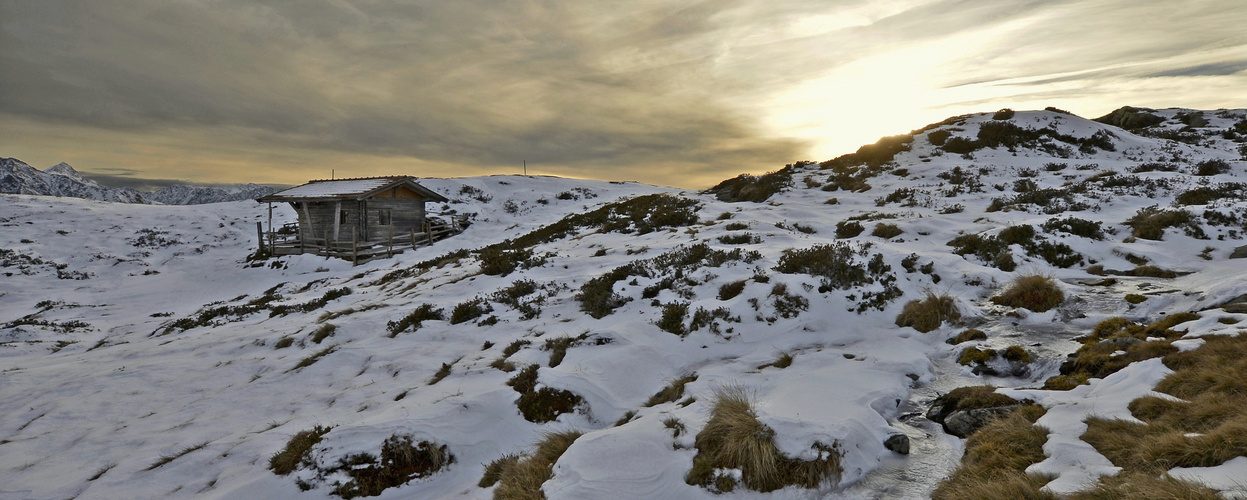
{"x":1239,"y":253}
{"x":964,"y":423}
{"x":898,"y":443}
{"x":1130,"y":118}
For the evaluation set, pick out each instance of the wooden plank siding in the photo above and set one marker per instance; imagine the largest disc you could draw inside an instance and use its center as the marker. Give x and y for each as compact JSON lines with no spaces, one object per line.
{"x":405,"y":215}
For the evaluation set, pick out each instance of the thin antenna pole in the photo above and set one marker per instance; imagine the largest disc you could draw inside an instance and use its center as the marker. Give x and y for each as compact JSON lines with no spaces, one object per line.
{"x":331,"y":174}
{"x":525,"y":168}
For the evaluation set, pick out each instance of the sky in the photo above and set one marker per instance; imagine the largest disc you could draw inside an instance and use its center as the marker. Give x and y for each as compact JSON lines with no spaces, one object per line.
{"x":679,"y":93}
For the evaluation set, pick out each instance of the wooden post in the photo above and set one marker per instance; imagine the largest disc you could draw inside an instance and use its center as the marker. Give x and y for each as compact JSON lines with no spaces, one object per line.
{"x":259,"y":233}
{"x":413,"y":238}
{"x":299,"y":233}
{"x":271,"y":244}
{"x":354,"y":246}
{"x":326,"y":243}
{"x":390,"y":251}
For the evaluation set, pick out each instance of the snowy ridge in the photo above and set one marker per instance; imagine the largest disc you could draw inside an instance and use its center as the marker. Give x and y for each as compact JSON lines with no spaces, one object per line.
{"x":114,"y":365}
{"x":16,"y":177}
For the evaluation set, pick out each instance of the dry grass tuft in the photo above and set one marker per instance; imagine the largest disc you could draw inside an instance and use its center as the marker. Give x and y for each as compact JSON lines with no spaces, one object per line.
{"x":673,"y":391}
{"x":1135,"y":486}
{"x":996,"y":460}
{"x":967,"y":336}
{"x":784,"y":360}
{"x":1036,"y":292}
{"x":520,"y":477}
{"x":297,"y":451}
{"x":929,"y":313}
{"x":733,"y":438}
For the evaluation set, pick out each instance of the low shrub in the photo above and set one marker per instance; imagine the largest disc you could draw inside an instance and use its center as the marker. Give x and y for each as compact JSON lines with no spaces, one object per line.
{"x":739,"y":239}
{"x":1003,"y":114}
{"x":1034,"y":292}
{"x":733,"y":438}
{"x":1207,"y":194}
{"x":887,"y":231}
{"x":1149,"y":223}
{"x":469,"y":310}
{"x":752,"y":188}
{"x":541,"y":405}
{"x":400,"y":462}
{"x":1211,"y":167}
{"x":848,"y":229}
{"x":1076,"y":227}
{"x":1135,"y":298}
{"x":672,"y":320}
{"x":929,"y":313}
{"x":415,"y":319}
{"x":730,"y":290}
{"x":1017,"y":235}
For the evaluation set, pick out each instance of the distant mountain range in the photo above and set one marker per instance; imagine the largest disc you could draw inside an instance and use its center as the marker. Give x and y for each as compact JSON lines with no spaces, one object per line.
{"x":16,"y":177}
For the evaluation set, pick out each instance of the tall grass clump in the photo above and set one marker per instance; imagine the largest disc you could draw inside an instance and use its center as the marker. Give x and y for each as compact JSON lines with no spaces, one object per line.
{"x":929,"y":313}
{"x":298,"y":451}
{"x":672,"y":392}
{"x":1035,"y":292}
{"x":519,"y":477}
{"x":733,"y":438}
{"x":995,"y":461}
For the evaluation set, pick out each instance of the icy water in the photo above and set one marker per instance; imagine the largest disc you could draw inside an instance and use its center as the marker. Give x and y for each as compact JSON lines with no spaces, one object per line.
{"x":933,"y":454}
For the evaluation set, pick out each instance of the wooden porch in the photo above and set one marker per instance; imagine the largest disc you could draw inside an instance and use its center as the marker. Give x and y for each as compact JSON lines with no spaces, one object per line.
{"x":288,"y":240}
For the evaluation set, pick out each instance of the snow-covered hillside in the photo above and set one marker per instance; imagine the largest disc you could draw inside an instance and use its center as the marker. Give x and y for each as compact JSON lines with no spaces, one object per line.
{"x":144,"y":357}
{"x":16,"y":177}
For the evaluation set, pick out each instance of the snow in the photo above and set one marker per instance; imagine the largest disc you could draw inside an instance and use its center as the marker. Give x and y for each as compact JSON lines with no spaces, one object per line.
{"x":111,"y":398}
{"x":333,"y":188}
{"x":1229,"y":478}
{"x":1073,"y":463}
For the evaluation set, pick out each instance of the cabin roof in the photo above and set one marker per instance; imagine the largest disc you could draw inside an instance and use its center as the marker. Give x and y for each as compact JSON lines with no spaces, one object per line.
{"x":350,"y":189}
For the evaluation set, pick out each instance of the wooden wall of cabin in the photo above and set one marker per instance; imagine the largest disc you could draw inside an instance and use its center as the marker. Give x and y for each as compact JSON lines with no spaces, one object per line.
{"x":324,"y":214}
{"x":405,"y":214}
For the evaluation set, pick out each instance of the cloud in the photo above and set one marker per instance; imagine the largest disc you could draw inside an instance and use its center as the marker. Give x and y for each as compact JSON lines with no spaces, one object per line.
{"x":1214,"y":69}
{"x":709,"y":87}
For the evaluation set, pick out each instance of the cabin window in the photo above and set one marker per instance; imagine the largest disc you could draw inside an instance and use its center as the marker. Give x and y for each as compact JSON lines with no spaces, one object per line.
{"x":383,"y":217}
{"x":342,"y":217}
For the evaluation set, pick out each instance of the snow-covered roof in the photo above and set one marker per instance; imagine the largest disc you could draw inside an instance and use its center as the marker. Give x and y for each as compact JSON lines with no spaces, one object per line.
{"x":349,"y":189}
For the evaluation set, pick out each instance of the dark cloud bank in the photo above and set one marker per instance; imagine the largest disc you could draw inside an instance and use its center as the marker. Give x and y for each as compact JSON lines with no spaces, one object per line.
{"x":589,"y":87}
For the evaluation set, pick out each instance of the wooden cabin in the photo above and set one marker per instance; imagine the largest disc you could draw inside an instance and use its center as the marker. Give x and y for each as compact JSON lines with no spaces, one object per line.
{"x":356,"y":218}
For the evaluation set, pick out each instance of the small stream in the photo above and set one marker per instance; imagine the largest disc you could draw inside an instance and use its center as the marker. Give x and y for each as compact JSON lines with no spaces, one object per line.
{"x":933,"y":453}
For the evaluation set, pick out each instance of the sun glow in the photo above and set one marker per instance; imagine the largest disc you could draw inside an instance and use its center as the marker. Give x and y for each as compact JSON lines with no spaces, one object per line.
{"x":883,"y":94}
